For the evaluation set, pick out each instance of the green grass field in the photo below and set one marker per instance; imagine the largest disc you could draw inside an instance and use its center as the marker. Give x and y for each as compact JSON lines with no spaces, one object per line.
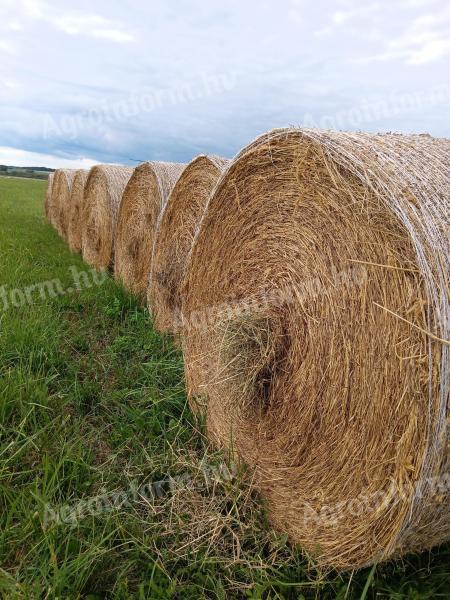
{"x":108,"y":488}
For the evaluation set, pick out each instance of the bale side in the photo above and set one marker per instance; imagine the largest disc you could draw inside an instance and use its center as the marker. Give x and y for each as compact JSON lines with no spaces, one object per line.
{"x":175,"y":232}
{"x":74,"y":220}
{"x":51,"y":205}
{"x":143,"y":200}
{"x":60,"y":192}
{"x":63,"y":185}
{"x":316,"y":311}
{"x":101,"y":201}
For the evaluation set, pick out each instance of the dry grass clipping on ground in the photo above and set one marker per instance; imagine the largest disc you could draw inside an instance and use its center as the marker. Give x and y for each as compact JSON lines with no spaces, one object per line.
{"x":175,"y":232}
{"x":143,"y":200}
{"x":101,"y":202}
{"x":316,"y":315}
{"x":76,"y":200}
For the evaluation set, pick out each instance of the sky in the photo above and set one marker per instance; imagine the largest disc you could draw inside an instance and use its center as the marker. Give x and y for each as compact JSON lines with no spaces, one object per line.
{"x":123,"y":82}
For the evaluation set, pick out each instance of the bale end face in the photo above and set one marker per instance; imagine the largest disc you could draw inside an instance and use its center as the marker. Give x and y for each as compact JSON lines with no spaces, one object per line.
{"x":316,"y":314}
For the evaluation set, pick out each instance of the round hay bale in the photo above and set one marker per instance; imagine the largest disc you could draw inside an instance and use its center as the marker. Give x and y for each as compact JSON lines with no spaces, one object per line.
{"x":76,"y":201}
{"x":175,"y":232}
{"x":317,"y":323}
{"x":60,"y":198}
{"x":48,"y":196}
{"x":102,"y":197}
{"x":143,"y":200}
{"x":51,"y":200}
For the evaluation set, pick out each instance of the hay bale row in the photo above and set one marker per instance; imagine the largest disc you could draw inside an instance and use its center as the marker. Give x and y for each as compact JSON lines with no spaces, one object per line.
{"x":309,"y":282}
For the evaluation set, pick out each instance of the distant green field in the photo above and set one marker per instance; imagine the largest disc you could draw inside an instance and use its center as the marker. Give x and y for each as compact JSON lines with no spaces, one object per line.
{"x":108,"y":488}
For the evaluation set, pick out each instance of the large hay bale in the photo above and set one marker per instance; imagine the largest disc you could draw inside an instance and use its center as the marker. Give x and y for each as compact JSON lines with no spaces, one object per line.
{"x":143,"y":200}
{"x":175,"y":232}
{"x":60,"y":198}
{"x":74,"y":214}
{"x":48,"y":197}
{"x":317,"y":326}
{"x":51,"y":200}
{"x":102,"y":197}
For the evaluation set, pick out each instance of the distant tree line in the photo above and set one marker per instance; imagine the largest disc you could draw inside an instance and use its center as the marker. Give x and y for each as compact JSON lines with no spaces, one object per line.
{"x":31,"y":172}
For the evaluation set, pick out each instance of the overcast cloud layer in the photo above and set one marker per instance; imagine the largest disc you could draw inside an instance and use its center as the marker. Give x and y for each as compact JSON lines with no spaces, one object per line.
{"x":128,"y":81}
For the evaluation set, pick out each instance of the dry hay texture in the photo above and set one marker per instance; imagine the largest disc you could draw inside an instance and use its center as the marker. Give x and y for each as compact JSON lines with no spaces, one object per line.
{"x":143,"y":200}
{"x":175,"y":233}
{"x":60,"y":199}
{"x":74,"y":217}
{"x":48,"y":197}
{"x":316,"y":314}
{"x":101,"y":202}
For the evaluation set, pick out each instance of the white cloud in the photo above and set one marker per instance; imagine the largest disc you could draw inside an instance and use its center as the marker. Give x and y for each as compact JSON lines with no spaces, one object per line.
{"x":431,"y":51}
{"x":91,"y":25}
{"x":113,"y":34}
{"x":417,"y":3}
{"x":73,"y":23}
{"x":340,"y":18}
{"x":23,"y":158}
{"x":34,"y":9}
{"x":323,"y":31}
{"x":14,"y":26}
{"x":425,"y":40}
{"x":296,"y":11}
{"x":7,"y":47}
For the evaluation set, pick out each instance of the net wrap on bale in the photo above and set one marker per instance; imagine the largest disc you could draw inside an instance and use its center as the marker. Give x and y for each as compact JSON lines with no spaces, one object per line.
{"x":175,"y":232}
{"x":101,"y":202}
{"x":316,"y":336}
{"x":74,"y":227}
{"x":143,"y":200}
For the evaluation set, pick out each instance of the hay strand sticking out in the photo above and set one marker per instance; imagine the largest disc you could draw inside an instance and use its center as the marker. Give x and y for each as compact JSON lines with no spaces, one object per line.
{"x":143,"y":200}
{"x":311,"y":246}
{"x":60,"y":198}
{"x":74,"y":226}
{"x":175,"y":232}
{"x":101,"y":202}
